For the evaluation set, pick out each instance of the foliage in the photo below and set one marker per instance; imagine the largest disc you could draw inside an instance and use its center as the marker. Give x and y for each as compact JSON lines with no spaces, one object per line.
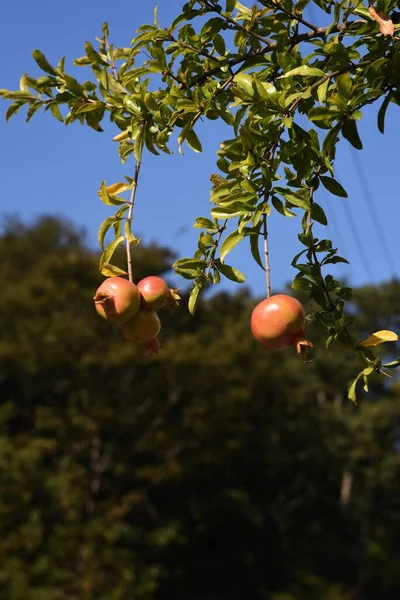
{"x":262,"y":70}
{"x":214,"y":470}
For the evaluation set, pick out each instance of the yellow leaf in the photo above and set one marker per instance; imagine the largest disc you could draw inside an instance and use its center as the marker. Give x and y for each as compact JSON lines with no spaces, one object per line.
{"x":386,"y":26}
{"x":379,"y":337}
{"x":109,"y":270}
{"x":116,"y":188}
{"x":120,"y":137}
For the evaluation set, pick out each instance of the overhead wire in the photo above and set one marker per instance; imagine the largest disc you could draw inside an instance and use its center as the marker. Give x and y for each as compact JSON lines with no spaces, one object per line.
{"x":334,"y":227}
{"x":361,"y":250}
{"x":373,"y":212}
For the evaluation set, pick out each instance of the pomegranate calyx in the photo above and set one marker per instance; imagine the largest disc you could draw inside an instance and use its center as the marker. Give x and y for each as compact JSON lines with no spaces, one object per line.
{"x":152,"y":346}
{"x":174,"y":297}
{"x":102,"y":298}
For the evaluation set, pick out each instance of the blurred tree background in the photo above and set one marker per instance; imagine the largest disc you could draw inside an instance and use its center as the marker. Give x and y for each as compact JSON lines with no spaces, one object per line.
{"x":214,"y":471}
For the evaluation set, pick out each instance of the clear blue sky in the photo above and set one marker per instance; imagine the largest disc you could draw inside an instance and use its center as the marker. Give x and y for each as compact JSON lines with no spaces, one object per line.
{"x":50,"y":168}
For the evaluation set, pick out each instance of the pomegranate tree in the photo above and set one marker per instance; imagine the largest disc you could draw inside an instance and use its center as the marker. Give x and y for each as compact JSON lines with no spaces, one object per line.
{"x":117,"y":300}
{"x":155,"y":293}
{"x":278,"y":321}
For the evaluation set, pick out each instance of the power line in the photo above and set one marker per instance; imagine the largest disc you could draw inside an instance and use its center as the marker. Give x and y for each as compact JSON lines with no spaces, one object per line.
{"x":333,"y":223}
{"x":374,"y":213}
{"x":358,"y":239}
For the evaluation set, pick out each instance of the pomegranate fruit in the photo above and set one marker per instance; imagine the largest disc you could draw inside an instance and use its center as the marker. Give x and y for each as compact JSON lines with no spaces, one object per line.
{"x":155,"y":293}
{"x":143,"y":328}
{"x":117,"y":300}
{"x":278,"y":321}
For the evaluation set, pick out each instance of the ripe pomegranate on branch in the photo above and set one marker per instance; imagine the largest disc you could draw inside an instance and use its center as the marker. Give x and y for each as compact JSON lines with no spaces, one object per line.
{"x":278,"y":322}
{"x":250,"y":67}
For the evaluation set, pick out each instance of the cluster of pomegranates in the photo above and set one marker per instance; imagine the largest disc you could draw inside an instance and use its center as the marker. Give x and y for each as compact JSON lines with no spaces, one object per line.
{"x":134,"y":307}
{"x":278,"y":321}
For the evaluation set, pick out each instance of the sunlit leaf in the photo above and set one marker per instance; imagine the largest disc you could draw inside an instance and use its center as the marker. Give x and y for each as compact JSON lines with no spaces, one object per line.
{"x":229,"y":243}
{"x":43,"y":63}
{"x":231,"y":273}
{"x":109,"y":270}
{"x":116,"y":188}
{"x":110,"y":249}
{"x":304,"y":71}
{"x":194,"y":297}
{"x":386,"y":26}
{"x":379,"y":337}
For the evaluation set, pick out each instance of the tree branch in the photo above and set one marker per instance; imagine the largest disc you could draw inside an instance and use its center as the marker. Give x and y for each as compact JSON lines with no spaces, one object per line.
{"x":130,"y":214}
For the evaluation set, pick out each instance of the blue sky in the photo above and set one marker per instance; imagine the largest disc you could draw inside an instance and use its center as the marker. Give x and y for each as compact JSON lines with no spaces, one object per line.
{"x":50,"y":168}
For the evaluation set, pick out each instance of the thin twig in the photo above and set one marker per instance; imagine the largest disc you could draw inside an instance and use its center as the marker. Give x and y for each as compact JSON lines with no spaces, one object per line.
{"x":231,"y":21}
{"x":211,"y":260}
{"x":266,"y":256}
{"x":130,"y":214}
{"x":111,"y":58}
{"x":295,"y":17}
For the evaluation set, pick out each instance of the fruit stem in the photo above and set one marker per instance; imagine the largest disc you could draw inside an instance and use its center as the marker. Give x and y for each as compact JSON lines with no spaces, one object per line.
{"x":130,"y":213}
{"x":266,"y":255}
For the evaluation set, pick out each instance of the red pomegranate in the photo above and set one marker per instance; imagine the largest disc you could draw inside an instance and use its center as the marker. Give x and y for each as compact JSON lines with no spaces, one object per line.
{"x":155,"y":293}
{"x":143,"y":328}
{"x":117,"y":300}
{"x":278,"y":321}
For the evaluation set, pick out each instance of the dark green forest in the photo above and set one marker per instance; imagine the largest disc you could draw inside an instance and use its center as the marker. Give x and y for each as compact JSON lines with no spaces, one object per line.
{"x":213,"y":471}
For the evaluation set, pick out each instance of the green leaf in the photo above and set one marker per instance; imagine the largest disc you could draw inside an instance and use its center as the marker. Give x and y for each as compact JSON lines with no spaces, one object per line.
{"x":151,"y":102}
{"x":217,"y":180}
{"x":392,"y":365}
{"x":229,"y":243}
{"x":322,"y":90}
{"x":382,"y":113}
{"x":322,"y":114}
{"x":333,"y":260}
{"x":55,"y":111}
{"x":281,"y":208}
{"x":255,"y":249}
{"x":298,"y":199}
{"x":74,"y":86}
{"x":350,"y":132}
{"x":43,"y":63}
{"x":104,"y":227}
{"x":232,"y":210}
{"x":138,"y":146}
{"x":109,"y":270}
{"x":331,"y":139}
{"x":245,"y":82}
{"x":89,"y":107}
{"x":110,"y":249}
{"x":219,"y":44}
{"x":304,"y":71}
{"x":230,"y":5}
{"x":231,"y":273}
{"x":193,"y":141}
{"x":14,"y":108}
{"x":194,"y":297}
{"x":333,"y":186}
{"x":318,"y":214}
{"x":301,"y":283}
{"x":204,"y":223}
{"x":344,"y":85}
{"x":351,"y":390}
{"x":130,"y":238}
